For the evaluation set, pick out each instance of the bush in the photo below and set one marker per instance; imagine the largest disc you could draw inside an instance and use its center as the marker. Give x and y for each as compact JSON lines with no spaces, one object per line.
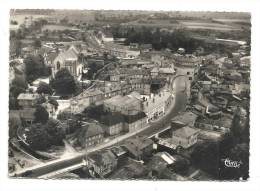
{"x":64,"y":83}
{"x":44,"y":88}
{"x":41,"y":115}
{"x":37,"y":137}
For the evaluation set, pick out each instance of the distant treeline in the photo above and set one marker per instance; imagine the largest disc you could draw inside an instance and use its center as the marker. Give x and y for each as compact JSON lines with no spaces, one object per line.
{"x":162,"y":39}
{"x":32,"y":11}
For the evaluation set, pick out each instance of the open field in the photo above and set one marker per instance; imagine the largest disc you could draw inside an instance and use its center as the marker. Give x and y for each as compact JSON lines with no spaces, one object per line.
{"x":207,"y":25}
{"x":189,"y":24}
{"x":21,"y":18}
{"x":55,"y":27}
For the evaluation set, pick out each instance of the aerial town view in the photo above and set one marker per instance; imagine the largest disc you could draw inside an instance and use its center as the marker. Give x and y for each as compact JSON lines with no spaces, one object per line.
{"x":144,"y":95}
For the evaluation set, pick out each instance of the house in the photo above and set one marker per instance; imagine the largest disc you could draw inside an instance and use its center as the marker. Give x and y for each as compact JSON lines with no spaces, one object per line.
{"x":213,"y":111}
{"x":184,"y":137}
{"x":27,"y":100}
{"x":50,"y":107}
{"x":68,"y":59}
{"x":157,"y":59}
{"x":106,"y":36}
{"x":156,"y":105}
{"x":27,"y":115}
{"x":85,"y":99}
{"x":166,"y":72}
{"x":131,"y":169}
{"x":162,"y":163}
{"x":88,"y":136}
{"x":134,"y":122}
{"x":219,"y":101}
{"x":123,"y":104}
{"x":113,"y":123}
{"x":115,"y":75}
{"x":49,"y":58}
{"x":139,"y":148}
{"x":101,"y":163}
{"x":134,"y":45}
{"x":120,"y":154}
{"x":184,"y":119}
{"x":155,"y":72}
{"x":222,"y":124}
{"x":146,"y":47}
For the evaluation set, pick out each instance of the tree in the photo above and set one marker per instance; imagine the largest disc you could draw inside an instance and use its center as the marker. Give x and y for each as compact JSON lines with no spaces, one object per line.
{"x":17,"y":86}
{"x":55,"y":132}
{"x":34,"y":67}
{"x":64,"y":83}
{"x":206,"y":156}
{"x":44,"y":88}
{"x":14,"y":123}
{"x":239,"y":153}
{"x":37,"y":137}
{"x":41,"y":115}
{"x":37,"y":43}
{"x":54,"y":102}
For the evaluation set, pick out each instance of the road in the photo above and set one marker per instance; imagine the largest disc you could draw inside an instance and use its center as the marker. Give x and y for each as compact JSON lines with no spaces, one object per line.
{"x":180,"y":104}
{"x":179,"y":87}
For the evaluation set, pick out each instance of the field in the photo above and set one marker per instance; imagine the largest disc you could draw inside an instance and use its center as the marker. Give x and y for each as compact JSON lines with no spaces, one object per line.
{"x":55,"y":27}
{"x":208,"y":25}
{"x":20,"y":19}
{"x":218,"y":25}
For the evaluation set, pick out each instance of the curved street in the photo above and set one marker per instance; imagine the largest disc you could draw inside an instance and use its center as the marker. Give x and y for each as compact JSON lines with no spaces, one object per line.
{"x":179,"y":87}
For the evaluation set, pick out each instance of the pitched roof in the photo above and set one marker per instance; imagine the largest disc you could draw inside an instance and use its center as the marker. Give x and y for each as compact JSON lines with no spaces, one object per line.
{"x":134,"y":118}
{"x":102,"y":157}
{"x":155,"y":69}
{"x":90,"y":130}
{"x":112,"y":119}
{"x":135,"y":146}
{"x":185,"y":132}
{"x":70,"y":54}
{"x":166,"y":70}
{"x":28,"y":96}
{"x":123,"y":101}
{"x":51,"y":56}
{"x":185,"y":118}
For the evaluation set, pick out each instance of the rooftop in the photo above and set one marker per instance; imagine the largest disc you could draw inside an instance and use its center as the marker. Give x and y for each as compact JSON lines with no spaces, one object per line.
{"x":136,"y":145}
{"x":185,"y":118}
{"x":102,"y":157}
{"x":89,"y":130}
{"x":124,"y":101}
{"x":70,"y":54}
{"x":112,"y":119}
{"x":159,"y":100}
{"x":28,"y":96}
{"x":185,"y":132}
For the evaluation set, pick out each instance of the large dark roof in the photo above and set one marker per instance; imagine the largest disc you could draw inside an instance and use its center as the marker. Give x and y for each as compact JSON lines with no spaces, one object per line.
{"x":102,"y":157}
{"x":112,"y":119}
{"x":134,"y":118}
{"x":90,"y":130}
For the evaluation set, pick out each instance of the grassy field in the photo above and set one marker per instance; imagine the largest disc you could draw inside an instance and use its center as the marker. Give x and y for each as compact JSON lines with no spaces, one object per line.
{"x":21,"y":18}
{"x":194,"y":24}
{"x":55,"y":27}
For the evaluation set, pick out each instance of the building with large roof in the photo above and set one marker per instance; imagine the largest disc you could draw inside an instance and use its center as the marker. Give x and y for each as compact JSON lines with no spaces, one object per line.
{"x":68,"y":59}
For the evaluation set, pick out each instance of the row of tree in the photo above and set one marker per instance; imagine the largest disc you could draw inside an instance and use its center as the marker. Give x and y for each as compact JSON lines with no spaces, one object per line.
{"x":234,"y":146}
{"x":43,"y":135}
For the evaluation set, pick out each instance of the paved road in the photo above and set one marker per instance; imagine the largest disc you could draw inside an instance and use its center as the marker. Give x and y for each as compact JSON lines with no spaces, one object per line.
{"x":179,"y":87}
{"x":180,"y":104}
